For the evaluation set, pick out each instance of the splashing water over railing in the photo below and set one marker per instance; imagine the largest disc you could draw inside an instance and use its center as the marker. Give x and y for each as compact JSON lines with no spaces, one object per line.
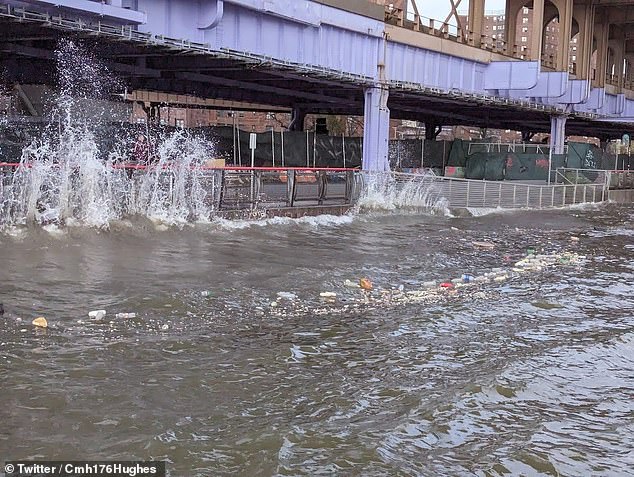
{"x":65,"y":177}
{"x":392,"y":191}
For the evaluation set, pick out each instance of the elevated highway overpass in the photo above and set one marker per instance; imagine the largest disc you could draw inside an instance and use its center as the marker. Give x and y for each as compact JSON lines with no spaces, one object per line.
{"x":347,"y":57}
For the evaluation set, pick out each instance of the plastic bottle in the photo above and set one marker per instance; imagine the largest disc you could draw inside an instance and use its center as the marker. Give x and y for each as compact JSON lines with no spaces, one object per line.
{"x":125,"y":315}
{"x":97,"y":314}
{"x":431,"y":284}
{"x":205,"y":293}
{"x":466,"y":278}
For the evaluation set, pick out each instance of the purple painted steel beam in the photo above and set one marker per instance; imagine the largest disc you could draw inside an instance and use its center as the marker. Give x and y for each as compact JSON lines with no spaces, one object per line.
{"x":111,"y":11}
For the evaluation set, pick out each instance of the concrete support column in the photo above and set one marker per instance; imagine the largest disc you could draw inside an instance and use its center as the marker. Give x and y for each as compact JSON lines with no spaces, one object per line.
{"x":584,"y":14}
{"x":602,"y":31}
{"x":376,"y":130}
{"x":629,"y":73}
{"x":565,"y":8}
{"x":510,"y":24}
{"x":475,"y":19}
{"x":618,"y":46}
{"x":557,"y":134}
{"x":535,"y":48}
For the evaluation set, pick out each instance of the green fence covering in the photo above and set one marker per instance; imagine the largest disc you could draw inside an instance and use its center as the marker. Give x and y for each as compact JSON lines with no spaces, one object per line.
{"x":583,"y":156}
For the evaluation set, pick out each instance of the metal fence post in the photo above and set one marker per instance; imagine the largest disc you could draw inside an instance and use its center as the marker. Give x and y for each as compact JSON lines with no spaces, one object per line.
{"x":468,"y":192}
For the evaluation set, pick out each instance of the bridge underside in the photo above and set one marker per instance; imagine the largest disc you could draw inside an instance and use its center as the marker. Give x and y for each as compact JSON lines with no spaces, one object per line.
{"x":27,"y":55}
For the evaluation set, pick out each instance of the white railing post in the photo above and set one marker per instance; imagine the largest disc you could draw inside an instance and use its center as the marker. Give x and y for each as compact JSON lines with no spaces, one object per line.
{"x":468,"y":192}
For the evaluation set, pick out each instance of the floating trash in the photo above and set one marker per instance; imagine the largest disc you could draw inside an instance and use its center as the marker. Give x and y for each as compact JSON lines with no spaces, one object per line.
{"x":485,"y":245}
{"x":125,"y":315}
{"x":97,"y":314}
{"x":466,"y":278}
{"x":165,"y":327}
{"x":205,"y":293}
{"x":365,"y":284}
{"x":446,"y":285}
{"x":350,"y":284}
{"x":40,"y":322}
{"x":328,"y":294}
{"x":287,"y":295}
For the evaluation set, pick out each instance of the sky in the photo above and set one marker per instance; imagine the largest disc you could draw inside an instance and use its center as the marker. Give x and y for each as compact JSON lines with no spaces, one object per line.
{"x":439,"y":9}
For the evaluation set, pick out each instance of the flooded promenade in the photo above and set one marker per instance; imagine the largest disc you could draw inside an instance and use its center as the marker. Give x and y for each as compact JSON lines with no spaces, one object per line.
{"x":530,"y":376}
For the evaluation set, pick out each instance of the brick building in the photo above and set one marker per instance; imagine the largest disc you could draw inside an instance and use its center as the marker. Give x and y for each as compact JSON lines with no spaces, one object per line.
{"x":494,"y":28}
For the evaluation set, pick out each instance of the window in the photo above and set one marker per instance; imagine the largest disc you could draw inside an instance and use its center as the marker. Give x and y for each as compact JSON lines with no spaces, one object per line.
{"x":525,"y":20}
{"x":180,"y":123}
{"x":494,"y":37}
{"x":574,"y":58}
{"x":524,"y":29}
{"x":495,"y":19}
{"x":525,"y":10}
{"x":574,"y":48}
{"x":495,"y":27}
{"x":524,"y":39}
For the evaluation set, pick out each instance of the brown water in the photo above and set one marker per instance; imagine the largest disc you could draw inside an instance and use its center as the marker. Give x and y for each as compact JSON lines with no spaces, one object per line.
{"x":534,"y":376}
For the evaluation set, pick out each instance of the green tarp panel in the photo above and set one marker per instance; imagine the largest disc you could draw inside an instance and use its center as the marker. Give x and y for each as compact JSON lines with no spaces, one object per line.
{"x":458,"y":153}
{"x":475,"y":167}
{"x":583,"y":156}
{"x":531,"y":166}
{"x":489,"y":166}
{"x":510,"y":166}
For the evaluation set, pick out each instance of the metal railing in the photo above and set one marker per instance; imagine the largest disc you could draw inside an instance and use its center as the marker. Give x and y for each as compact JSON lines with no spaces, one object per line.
{"x":573,"y":176}
{"x":448,"y":31}
{"x":520,"y":147}
{"x":469,"y":193}
{"x":244,"y":188}
{"x":620,"y":179}
{"x":237,"y":188}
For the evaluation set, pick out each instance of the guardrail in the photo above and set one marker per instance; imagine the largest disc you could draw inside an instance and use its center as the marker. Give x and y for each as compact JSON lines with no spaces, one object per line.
{"x":244,"y":188}
{"x":468,"y":193}
{"x":236,"y":188}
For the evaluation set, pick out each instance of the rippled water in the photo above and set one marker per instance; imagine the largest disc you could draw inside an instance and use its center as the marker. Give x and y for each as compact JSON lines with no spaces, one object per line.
{"x":533,"y":376}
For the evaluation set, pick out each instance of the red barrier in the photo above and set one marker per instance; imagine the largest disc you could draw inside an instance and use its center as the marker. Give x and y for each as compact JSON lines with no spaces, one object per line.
{"x":143,"y":167}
